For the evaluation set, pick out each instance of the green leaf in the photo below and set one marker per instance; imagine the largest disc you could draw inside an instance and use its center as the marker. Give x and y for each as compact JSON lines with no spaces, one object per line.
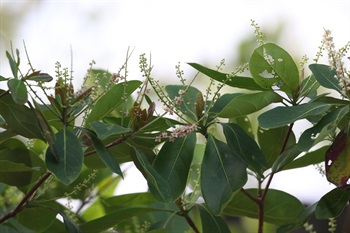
{"x":222,"y":174}
{"x":300,"y":220}
{"x":2,"y":78}
{"x":332,"y":204}
{"x":115,"y":217}
{"x":16,"y":174}
{"x":120,"y":152}
{"x":104,"y":131}
{"x":20,"y":118}
{"x":310,"y":158}
{"x":245,"y":148}
{"x":18,"y":91}
{"x":70,"y":157}
{"x":37,"y":219}
{"x":245,"y":123}
{"x":71,"y":227}
{"x":129,"y":200}
{"x":326,"y":126}
{"x":281,"y":116}
{"x":188,"y":107}
{"x":285,"y":158}
{"x":112,"y":99}
{"x":271,"y":141}
{"x":173,"y":162}
{"x":39,"y":77}
{"x":211,"y":223}
{"x":248,"y":103}
{"x":234,"y":81}
{"x":223,"y":101}
{"x":271,"y":65}
{"x":13,"y":65}
{"x":325,"y":76}
{"x":108,"y":159}
{"x":158,"y":185}
{"x":15,"y":163}
{"x":280,"y":208}
{"x":309,"y":87}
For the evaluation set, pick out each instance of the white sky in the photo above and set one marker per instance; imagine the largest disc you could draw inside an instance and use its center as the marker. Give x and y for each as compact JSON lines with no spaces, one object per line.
{"x":173,"y":31}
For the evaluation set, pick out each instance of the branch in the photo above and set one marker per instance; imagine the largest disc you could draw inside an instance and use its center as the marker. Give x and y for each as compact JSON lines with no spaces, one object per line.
{"x":31,"y":192}
{"x":261,"y":199}
{"x":184,"y":213}
{"x":281,"y":151}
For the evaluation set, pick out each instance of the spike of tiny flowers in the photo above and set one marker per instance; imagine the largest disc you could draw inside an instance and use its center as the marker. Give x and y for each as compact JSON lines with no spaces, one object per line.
{"x":177,"y":133}
{"x":336,"y":62}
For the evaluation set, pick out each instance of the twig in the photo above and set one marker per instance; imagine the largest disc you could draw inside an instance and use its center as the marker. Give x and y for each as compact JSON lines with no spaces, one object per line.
{"x":184,"y":213}
{"x":31,"y":192}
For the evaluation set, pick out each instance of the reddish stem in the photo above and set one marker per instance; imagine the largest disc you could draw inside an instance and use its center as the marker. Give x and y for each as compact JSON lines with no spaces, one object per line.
{"x":260,"y":200}
{"x":31,"y":192}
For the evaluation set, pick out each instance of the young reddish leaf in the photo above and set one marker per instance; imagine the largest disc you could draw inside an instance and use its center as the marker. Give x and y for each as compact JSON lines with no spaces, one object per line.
{"x":337,"y":160}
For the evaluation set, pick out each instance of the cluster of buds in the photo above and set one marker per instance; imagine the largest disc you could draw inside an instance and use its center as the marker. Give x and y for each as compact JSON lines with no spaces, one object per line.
{"x":336,"y":62}
{"x":177,"y":133}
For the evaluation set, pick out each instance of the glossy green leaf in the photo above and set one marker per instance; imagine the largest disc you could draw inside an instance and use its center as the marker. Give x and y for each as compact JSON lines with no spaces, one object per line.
{"x":245,"y":104}
{"x":37,"y":219}
{"x":194,"y":174}
{"x":285,"y":158}
{"x":310,"y":158}
{"x":299,"y":221}
{"x":156,"y":123}
{"x":13,"y":65}
{"x":271,"y":141}
{"x":211,"y":223}
{"x":234,"y":81}
{"x":221,"y":171}
{"x":129,"y":200}
{"x":70,"y":157}
{"x":188,"y":106}
{"x":2,"y":78}
{"x":112,"y":99}
{"x":46,"y":129}
{"x":309,"y":87}
{"x":326,"y":126}
{"x":16,"y":174}
{"x":104,"y":131}
{"x":223,"y":101}
{"x":332,"y":204}
{"x":18,"y":91}
{"x":115,"y":217}
{"x":245,"y":147}
{"x":325,"y":76}
{"x":280,"y":208}
{"x":15,"y":163}
{"x":120,"y":152}
{"x":71,"y":227}
{"x":108,"y":159}
{"x":94,"y":210}
{"x":8,"y":228}
{"x":158,"y":185}
{"x":245,"y":123}
{"x":173,"y":162}
{"x":39,"y":77}
{"x":271,"y":65}
{"x":281,"y":116}
{"x":20,"y":118}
